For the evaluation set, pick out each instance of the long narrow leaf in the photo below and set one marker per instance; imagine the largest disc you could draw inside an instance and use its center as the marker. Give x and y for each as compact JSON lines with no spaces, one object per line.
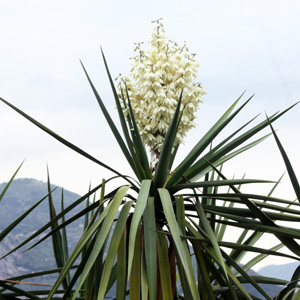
{"x":104,"y":232}
{"x":164,"y":268}
{"x":288,"y":165}
{"x":135,"y":159}
{"x":113,"y":248}
{"x":181,"y":247}
{"x":135,"y":274}
{"x":67,"y":209}
{"x":211,"y":235}
{"x":111,"y":124}
{"x":261,"y":256}
{"x":141,"y":203}
{"x":289,"y":242}
{"x":87,"y":235}
{"x":246,"y":276}
{"x":225,"y":154}
{"x":204,"y":142}
{"x":64,"y":231}
{"x":20,"y":292}
{"x":213,"y":183}
{"x":150,"y":247}
{"x":139,"y":145}
{"x":10,"y":227}
{"x":122,"y":267}
{"x":63,"y":141}
{"x":10,"y":181}
{"x":144,"y":279}
{"x":165,"y":154}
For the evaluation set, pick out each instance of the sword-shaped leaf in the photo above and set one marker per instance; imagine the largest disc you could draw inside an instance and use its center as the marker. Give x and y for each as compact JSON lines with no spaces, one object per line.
{"x":63,"y":141}
{"x":168,"y":145}
{"x":181,"y":247}
{"x":140,"y":206}
{"x":204,"y":142}
{"x":112,"y":125}
{"x":103,"y":234}
{"x":150,"y":247}
{"x":288,"y":164}
{"x":113,"y":248}
{"x":110,"y":212}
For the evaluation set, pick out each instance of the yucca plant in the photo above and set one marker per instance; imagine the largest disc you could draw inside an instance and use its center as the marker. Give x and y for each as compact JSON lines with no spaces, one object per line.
{"x":162,"y":235}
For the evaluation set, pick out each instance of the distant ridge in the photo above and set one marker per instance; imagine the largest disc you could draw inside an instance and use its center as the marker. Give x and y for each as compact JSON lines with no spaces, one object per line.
{"x":21,"y":195}
{"x":283,"y":271}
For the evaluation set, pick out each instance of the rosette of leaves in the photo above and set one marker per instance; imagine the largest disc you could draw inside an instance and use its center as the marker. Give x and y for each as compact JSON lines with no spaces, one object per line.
{"x":162,"y":235}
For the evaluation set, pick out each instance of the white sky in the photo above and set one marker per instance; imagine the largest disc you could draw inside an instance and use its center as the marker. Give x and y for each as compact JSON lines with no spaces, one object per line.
{"x":240,"y":45}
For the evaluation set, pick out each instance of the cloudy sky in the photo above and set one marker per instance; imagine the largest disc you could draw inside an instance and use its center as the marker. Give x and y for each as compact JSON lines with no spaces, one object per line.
{"x":240,"y":45}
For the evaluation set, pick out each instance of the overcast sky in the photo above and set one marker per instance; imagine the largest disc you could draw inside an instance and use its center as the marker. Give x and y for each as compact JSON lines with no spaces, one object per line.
{"x":240,"y":45}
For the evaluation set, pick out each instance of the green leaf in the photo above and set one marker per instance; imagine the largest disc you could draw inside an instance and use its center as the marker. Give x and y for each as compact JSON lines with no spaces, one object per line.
{"x":213,"y":183}
{"x":290,"y":288}
{"x":10,"y":227}
{"x":144,"y":279}
{"x":150,"y":247}
{"x":278,"y":232}
{"x":204,"y":283}
{"x":288,"y":164}
{"x":217,"y":158}
{"x":181,"y":247}
{"x":204,"y":142}
{"x":180,"y":213}
{"x":112,"y":125}
{"x":135,"y":274}
{"x":88,"y":292}
{"x":98,"y":204}
{"x":246,"y":276}
{"x":165,"y":154}
{"x":20,"y":292}
{"x":103,"y":234}
{"x":10,"y":181}
{"x":164,"y":268}
{"x":67,"y":209}
{"x":211,"y":156}
{"x":64,"y":231}
{"x":142,"y":171}
{"x":56,"y":237}
{"x":65,"y":142}
{"x":207,"y":228}
{"x":141,"y":203}
{"x":235,"y":198}
{"x":113,"y":248}
{"x":138,"y":143}
{"x":122,"y":267}
{"x":173,"y":155}
{"x":85,"y":238}
{"x":261,"y":256}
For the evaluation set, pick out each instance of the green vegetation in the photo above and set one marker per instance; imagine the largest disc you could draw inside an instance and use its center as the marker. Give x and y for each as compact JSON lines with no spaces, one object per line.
{"x":147,"y":235}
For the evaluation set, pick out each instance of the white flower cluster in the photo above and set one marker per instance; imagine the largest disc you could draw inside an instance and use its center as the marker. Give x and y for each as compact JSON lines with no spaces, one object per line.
{"x":159,"y":76}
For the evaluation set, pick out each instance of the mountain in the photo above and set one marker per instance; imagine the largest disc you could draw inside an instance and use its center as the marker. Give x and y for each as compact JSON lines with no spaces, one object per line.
{"x":284,"y":271}
{"x":20,"y":196}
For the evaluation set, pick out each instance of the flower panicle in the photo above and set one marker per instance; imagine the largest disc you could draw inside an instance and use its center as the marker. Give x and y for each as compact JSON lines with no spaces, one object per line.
{"x":158,"y":77}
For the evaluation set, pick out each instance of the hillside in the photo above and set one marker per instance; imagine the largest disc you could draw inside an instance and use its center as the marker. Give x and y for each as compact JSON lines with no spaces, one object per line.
{"x":283,"y":271}
{"x":21,"y":195}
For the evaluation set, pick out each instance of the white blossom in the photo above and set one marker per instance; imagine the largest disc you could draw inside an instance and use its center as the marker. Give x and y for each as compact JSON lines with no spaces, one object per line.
{"x":159,"y":76}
